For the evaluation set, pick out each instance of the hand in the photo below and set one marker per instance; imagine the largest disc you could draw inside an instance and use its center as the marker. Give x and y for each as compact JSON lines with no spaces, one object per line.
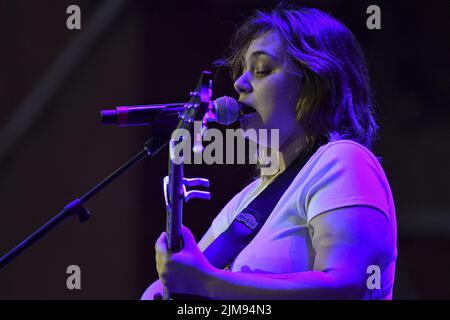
{"x":184,"y":272}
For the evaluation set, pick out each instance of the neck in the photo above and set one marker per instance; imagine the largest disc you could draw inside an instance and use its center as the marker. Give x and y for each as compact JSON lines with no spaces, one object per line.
{"x":287,"y":153}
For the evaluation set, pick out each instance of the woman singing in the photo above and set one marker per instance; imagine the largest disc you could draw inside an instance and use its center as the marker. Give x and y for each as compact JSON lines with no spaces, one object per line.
{"x":332,"y":234}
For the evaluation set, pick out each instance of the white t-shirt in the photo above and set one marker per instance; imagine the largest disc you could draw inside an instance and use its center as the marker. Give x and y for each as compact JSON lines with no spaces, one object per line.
{"x":339,"y":174}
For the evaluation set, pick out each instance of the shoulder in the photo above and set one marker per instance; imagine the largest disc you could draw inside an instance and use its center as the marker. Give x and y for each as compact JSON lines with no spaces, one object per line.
{"x":226,"y":215}
{"x":344,"y":150}
{"x":341,"y":156}
{"x":241,"y":195}
{"x":341,"y":173}
{"x":344,"y":160}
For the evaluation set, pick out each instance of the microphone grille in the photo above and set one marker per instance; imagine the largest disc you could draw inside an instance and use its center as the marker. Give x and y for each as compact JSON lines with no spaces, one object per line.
{"x":227,"y":110}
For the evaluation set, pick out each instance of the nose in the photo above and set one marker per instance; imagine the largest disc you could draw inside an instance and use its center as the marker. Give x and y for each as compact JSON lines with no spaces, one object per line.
{"x":242,"y":85}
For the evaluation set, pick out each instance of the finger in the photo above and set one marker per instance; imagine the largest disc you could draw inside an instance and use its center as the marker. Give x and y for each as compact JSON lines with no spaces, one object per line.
{"x":161,"y":243}
{"x":162,"y":258}
{"x":188,"y":239}
{"x":159,"y":264}
{"x":161,"y":253}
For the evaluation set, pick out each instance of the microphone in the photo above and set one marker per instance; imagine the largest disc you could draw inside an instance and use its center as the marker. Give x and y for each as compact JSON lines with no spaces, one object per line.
{"x":225,"y":111}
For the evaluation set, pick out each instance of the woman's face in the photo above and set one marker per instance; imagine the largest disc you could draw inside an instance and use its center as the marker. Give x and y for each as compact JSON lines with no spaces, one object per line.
{"x":268,"y":87}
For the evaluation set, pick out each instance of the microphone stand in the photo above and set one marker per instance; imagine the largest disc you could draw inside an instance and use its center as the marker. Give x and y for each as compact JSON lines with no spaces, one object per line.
{"x":76,"y":207}
{"x":175,"y":183}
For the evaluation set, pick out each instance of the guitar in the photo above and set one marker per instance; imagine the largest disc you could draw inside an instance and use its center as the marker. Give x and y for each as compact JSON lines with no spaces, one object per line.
{"x":175,"y":184}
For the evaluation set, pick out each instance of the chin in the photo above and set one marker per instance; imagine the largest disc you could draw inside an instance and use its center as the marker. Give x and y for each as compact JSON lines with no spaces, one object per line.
{"x":251,"y":122}
{"x":256,"y":124}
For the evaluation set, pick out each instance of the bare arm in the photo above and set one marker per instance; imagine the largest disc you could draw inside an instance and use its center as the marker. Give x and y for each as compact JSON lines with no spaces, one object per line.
{"x":346,"y":241}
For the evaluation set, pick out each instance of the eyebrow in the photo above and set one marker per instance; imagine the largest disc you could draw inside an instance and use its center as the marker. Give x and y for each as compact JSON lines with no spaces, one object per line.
{"x":258,"y":53}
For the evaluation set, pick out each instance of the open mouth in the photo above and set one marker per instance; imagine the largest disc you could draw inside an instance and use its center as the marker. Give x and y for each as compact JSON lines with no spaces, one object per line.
{"x":246,"y":110}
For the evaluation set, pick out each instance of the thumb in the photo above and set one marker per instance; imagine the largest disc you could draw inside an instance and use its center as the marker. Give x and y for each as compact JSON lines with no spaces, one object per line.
{"x":188,"y":239}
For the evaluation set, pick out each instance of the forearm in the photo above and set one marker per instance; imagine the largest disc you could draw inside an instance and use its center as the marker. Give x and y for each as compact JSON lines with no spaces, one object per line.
{"x":225,"y":285}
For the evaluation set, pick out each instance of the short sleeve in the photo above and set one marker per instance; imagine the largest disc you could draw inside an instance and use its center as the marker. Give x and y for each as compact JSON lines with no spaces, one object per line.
{"x":346,"y":174}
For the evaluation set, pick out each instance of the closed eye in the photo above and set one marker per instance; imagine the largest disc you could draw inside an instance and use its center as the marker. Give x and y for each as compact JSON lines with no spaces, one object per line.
{"x":263,"y":72}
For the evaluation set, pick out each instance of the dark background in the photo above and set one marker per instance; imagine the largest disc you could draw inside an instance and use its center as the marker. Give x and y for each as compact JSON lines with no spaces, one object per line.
{"x":153,"y":52}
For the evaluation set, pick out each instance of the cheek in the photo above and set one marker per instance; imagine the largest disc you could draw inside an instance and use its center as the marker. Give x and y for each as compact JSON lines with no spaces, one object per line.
{"x":269,"y":99}
{"x":289,"y":92}
{"x":279,"y":100}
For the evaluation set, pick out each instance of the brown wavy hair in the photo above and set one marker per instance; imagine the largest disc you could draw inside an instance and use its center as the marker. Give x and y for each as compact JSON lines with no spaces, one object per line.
{"x":336,"y":100}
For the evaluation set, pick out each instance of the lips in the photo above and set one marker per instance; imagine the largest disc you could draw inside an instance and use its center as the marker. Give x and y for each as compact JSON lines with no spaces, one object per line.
{"x":246,"y":109}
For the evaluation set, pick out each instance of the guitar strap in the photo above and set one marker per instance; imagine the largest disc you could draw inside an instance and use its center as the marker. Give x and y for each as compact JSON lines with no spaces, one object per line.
{"x":224,"y":249}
